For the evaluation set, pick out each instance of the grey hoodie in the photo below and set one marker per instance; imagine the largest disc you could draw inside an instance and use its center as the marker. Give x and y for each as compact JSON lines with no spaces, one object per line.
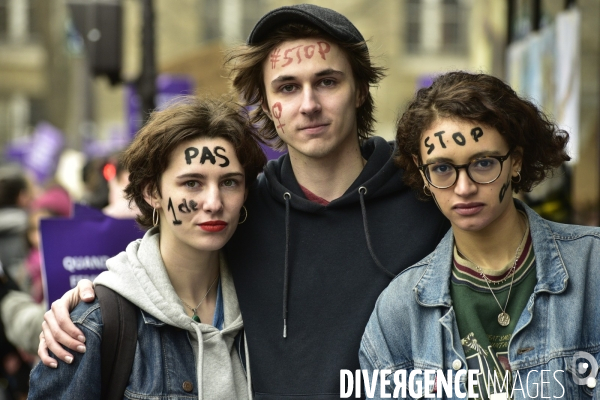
{"x":13,"y":243}
{"x":139,"y":275}
{"x":22,"y":318}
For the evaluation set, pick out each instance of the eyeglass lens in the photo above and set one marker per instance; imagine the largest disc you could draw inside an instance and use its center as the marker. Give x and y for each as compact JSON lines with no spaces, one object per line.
{"x":483,"y":170}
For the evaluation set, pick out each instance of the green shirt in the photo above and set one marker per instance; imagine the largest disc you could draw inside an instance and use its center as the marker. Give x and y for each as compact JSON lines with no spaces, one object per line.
{"x":484,"y":340}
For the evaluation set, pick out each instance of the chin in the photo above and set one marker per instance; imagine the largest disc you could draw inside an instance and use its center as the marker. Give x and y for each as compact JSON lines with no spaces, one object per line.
{"x":469,"y":224}
{"x":213,"y":243}
{"x":316,"y":147}
{"x":211,"y":246}
{"x":319,"y":150}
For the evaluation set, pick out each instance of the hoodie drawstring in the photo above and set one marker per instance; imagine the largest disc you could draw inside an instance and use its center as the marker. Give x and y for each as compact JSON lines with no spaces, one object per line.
{"x":248,"y":376}
{"x":286,"y":196}
{"x":362,"y":191}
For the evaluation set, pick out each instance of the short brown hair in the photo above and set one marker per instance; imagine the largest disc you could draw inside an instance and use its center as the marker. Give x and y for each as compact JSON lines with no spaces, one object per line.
{"x":246,"y":66}
{"x":148,"y":156}
{"x":487,"y":100}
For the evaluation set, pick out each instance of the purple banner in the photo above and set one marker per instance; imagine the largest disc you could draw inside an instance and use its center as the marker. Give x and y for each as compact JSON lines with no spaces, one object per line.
{"x":46,"y":145}
{"x":118,"y":140}
{"x":39,"y":153}
{"x":81,"y":211}
{"x":77,"y":248}
{"x":17,"y":150}
{"x":168,"y":87}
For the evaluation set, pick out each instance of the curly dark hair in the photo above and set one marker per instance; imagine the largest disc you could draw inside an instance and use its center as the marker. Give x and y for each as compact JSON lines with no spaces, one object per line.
{"x":148,"y":155}
{"x":487,"y":100}
{"x":246,"y":69}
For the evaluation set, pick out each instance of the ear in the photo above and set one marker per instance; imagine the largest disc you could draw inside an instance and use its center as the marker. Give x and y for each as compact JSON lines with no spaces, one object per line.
{"x":361,"y":96}
{"x":417,"y":162}
{"x":265,"y":107}
{"x":517,"y":160}
{"x":152,"y":197}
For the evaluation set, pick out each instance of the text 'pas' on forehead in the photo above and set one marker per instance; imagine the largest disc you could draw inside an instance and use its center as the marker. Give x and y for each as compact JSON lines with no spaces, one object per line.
{"x":207,"y":155}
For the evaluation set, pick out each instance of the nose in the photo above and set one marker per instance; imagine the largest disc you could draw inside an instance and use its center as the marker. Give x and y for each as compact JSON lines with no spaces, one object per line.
{"x":310,"y":101}
{"x":213,"y":202}
{"x":464,"y":186}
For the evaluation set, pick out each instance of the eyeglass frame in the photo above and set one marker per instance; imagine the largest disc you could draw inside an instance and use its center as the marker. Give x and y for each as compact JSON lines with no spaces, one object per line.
{"x":457,"y":168}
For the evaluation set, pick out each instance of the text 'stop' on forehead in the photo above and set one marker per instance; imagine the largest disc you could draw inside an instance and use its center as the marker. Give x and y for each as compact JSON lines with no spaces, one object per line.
{"x":329,"y":21}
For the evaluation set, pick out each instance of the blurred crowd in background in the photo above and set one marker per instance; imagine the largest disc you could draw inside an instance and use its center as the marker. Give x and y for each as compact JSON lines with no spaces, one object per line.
{"x":23,"y":203}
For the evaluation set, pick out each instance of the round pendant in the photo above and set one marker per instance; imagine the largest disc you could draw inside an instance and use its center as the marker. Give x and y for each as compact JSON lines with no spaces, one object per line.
{"x":503,"y":319}
{"x":197,"y":318}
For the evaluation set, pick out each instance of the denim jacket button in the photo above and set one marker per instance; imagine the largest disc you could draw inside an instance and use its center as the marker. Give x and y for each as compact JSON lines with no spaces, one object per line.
{"x":590,"y":382}
{"x":188,"y":386}
{"x":456,"y":364}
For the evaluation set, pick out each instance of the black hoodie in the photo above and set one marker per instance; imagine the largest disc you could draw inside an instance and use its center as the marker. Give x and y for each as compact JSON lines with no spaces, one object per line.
{"x":312,"y":266}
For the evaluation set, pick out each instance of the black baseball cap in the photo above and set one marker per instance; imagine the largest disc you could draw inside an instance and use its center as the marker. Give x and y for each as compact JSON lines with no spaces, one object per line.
{"x":329,"y":21}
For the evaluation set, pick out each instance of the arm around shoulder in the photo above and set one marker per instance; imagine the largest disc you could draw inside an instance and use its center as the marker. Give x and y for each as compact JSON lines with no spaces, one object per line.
{"x":81,"y":378}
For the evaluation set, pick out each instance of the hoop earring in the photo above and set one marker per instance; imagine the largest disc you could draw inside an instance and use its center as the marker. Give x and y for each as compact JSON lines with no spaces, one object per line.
{"x":245,"y":215}
{"x":519,"y":175}
{"x":425,"y":189}
{"x":155,"y":217}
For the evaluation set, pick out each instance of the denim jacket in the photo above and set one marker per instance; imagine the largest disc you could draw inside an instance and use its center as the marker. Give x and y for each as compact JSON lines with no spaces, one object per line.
{"x":175,"y":357}
{"x":168,"y":373}
{"x":165,"y":373}
{"x":413,"y":326}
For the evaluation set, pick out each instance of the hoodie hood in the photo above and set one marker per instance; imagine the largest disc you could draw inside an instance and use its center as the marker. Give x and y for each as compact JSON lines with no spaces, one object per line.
{"x":139,"y":275}
{"x":379,"y":176}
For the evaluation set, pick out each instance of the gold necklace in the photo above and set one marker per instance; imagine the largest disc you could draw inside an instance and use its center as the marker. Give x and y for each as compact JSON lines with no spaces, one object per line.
{"x":195,"y":317}
{"x":503,"y":317}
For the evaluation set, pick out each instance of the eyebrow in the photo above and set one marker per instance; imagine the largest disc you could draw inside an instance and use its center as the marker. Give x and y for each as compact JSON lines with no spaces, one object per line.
{"x":329,"y":71}
{"x":232,"y":175}
{"x":202,"y":176}
{"x":481,"y":154}
{"x":325,"y":72}
{"x":190,"y":175}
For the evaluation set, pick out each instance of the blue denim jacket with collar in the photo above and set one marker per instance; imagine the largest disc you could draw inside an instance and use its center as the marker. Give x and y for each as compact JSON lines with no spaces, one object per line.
{"x":163,"y":367}
{"x":163,"y":363}
{"x":413,"y":326}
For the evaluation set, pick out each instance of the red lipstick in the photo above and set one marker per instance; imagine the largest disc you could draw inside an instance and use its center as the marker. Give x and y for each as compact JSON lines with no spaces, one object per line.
{"x":213,"y":226}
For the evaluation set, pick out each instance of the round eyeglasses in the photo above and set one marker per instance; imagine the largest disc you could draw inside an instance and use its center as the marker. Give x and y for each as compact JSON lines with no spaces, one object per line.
{"x":482,"y":170}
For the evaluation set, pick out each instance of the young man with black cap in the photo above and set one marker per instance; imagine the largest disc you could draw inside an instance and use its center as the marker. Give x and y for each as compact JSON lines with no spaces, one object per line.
{"x":330,"y":223}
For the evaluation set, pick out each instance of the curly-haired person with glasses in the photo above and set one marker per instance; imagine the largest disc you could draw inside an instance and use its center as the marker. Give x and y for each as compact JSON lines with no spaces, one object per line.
{"x":507,"y":304}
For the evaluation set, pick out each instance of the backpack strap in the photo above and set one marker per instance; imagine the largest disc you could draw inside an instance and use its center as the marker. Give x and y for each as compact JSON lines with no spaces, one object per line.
{"x":119,"y":339}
